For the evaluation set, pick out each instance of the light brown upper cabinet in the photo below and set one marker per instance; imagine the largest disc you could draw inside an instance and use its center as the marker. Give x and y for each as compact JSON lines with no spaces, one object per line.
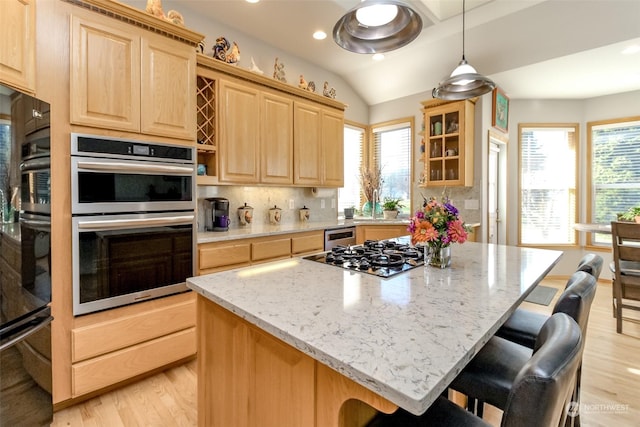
{"x":318,"y":145}
{"x":254,"y":129}
{"x":126,"y":78}
{"x":276,"y":143}
{"x":256,"y":135}
{"x":18,"y":44}
{"x":448,"y":137}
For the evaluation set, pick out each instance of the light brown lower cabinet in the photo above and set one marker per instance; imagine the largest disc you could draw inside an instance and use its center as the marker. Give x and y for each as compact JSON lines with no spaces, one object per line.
{"x":380,"y":232}
{"x":225,"y":255}
{"x":247,"y":377}
{"x":115,"y":345}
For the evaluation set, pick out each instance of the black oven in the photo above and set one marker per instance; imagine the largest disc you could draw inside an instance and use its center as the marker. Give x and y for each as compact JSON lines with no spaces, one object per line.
{"x":133,"y":221}
{"x":122,"y":259}
{"x":25,"y":263}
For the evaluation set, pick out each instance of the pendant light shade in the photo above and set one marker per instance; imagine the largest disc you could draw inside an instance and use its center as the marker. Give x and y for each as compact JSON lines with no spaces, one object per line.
{"x":464,"y":82}
{"x":377,"y":26}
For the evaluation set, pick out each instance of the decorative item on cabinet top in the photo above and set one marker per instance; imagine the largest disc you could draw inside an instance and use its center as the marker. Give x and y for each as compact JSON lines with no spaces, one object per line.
{"x":154,"y":7}
{"x":278,"y":71}
{"x":223,"y":51}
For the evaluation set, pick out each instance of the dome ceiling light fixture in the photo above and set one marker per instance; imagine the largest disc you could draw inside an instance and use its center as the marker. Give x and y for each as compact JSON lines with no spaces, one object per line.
{"x":464,"y":82}
{"x":377,"y":26}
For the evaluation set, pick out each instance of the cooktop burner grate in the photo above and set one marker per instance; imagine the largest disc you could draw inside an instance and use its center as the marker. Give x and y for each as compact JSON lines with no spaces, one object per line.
{"x":383,"y":258}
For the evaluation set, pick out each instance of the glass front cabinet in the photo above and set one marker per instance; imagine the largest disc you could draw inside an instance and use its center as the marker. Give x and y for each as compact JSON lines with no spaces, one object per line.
{"x":448,"y":143}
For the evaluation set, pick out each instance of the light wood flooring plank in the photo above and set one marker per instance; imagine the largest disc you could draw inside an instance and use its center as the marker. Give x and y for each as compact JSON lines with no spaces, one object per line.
{"x":610,"y":380}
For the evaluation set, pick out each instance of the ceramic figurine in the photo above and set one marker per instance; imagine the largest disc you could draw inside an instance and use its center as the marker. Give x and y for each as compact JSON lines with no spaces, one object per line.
{"x":328,"y":92}
{"x":254,"y":68}
{"x":233,"y":57}
{"x":311,"y":87}
{"x":223,"y":51}
{"x":220,"y":49}
{"x":154,"y":7}
{"x":303,"y":83}
{"x":278,"y":71}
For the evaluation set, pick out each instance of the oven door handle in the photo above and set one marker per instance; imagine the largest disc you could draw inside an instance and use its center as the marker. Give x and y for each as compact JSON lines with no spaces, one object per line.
{"x":133,"y":167}
{"x":118,"y":224}
{"x":24,"y":327}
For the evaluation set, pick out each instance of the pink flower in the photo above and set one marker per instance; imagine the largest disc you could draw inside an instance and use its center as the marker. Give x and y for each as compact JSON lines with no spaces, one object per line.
{"x":457,"y":232}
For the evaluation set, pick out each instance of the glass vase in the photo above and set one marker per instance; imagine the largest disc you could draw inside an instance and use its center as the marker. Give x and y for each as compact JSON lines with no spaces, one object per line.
{"x":438,"y":256}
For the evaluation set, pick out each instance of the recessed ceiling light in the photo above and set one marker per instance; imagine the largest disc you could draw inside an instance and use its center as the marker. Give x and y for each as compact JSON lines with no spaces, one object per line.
{"x":252,"y":1}
{"x":377,"y":14}
{"x":378,"y":57}
{"x":634,"y":48}
{"x":320,"y":35}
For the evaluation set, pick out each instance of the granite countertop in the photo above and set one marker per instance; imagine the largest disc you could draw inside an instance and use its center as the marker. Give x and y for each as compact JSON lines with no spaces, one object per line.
{"x":406,"y":337}
{"x":259,"y":230}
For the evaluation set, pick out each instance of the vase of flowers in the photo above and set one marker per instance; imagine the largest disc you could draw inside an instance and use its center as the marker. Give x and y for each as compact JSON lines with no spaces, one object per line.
{"x":436,"y":226}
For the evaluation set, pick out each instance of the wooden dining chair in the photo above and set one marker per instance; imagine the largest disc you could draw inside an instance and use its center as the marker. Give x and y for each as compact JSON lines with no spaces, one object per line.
{"x":625,"y":267}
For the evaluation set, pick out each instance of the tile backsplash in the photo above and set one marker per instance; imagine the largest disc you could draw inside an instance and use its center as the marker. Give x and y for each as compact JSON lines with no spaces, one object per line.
{"x":322,"y":207}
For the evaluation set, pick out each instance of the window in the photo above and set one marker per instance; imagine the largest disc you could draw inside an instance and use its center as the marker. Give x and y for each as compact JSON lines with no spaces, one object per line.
{"x":548,"y":176}
{"x":350,"y":194}
{"x":392,"y":153}
{"x":614,"y":168}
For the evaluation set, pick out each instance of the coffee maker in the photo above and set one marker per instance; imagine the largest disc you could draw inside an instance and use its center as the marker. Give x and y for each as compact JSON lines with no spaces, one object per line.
{"x":217,"y":214}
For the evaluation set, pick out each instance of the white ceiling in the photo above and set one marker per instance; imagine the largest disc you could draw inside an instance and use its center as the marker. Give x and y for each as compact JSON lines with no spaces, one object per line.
{"x":534,"y":49}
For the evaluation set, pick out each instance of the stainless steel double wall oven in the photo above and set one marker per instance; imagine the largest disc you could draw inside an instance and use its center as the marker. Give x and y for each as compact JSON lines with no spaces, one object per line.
{"x":134,"y":222}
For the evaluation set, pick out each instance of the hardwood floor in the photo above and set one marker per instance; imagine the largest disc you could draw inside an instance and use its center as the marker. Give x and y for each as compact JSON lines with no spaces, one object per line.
{"x":610,"y":382}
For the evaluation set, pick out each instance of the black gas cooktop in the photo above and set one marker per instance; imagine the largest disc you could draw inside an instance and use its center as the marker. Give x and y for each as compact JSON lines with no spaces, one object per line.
{"x":383,"y":258}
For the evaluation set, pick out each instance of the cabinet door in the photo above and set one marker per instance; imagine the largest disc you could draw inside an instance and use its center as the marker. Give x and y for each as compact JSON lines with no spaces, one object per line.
{"x":17,"y":44}
{"x":276,"y":146}
{"x":333,"y":148}
{"x":307,"y":144}
{"x":239,"y":134}
{"x":105,"y":75}
{"x":449,"y":144}
{"x":168,"y":88}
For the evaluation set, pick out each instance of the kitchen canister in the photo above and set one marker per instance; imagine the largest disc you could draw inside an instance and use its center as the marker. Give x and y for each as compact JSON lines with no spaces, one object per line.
{"x":304,"y":214}
{"x":245,"y":214}
{"x":275,"y":214}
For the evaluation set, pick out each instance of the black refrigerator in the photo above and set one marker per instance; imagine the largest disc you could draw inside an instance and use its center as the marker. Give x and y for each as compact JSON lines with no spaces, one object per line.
{"x":25,"y":261}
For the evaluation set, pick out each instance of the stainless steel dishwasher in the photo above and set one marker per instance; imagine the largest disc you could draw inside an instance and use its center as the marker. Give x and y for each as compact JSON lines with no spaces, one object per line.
{"x":339,"y":236}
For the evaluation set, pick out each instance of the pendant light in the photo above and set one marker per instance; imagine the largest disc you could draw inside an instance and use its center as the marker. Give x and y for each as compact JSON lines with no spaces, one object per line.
{"x":377,"y":26}
{"x":464,"y":82}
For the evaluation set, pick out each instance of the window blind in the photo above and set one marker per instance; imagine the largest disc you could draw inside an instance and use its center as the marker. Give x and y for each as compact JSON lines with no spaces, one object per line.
{"x":392,"y":152}
{"x":548,"y":209}
{"x":615,"y":171}
{"x":350,"y":194}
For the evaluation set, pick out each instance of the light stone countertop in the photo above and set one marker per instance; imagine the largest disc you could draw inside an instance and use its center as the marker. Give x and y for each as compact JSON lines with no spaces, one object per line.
{"x":259,"y":230}
{"x":406,"y":337}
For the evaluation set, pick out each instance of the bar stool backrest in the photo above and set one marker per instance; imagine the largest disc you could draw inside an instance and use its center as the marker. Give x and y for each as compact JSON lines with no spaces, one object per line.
{"x":541,"y":390}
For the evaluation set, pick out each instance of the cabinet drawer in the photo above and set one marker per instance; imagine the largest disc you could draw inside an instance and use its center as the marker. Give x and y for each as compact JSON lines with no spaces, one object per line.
{"x":227,"y":255}
{"x":312,"y":242}
{"x":100,"y":338}
{"x":271,"y":249}
{"x":103,"y":371}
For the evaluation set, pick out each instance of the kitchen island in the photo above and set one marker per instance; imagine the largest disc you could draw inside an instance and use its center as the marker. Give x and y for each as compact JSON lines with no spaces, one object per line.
{"x":288,"y":342}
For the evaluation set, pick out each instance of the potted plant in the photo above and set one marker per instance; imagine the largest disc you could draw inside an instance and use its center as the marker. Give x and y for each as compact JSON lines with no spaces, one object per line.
{"x":390,"y":207}
{"x":631,"y":214}
{"x":349,"y":212}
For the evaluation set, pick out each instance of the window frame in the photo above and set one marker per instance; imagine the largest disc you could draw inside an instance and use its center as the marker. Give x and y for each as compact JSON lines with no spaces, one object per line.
{"x":590,"y":243}
{"x":371,"y":150}
{"x":576,"y":213}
